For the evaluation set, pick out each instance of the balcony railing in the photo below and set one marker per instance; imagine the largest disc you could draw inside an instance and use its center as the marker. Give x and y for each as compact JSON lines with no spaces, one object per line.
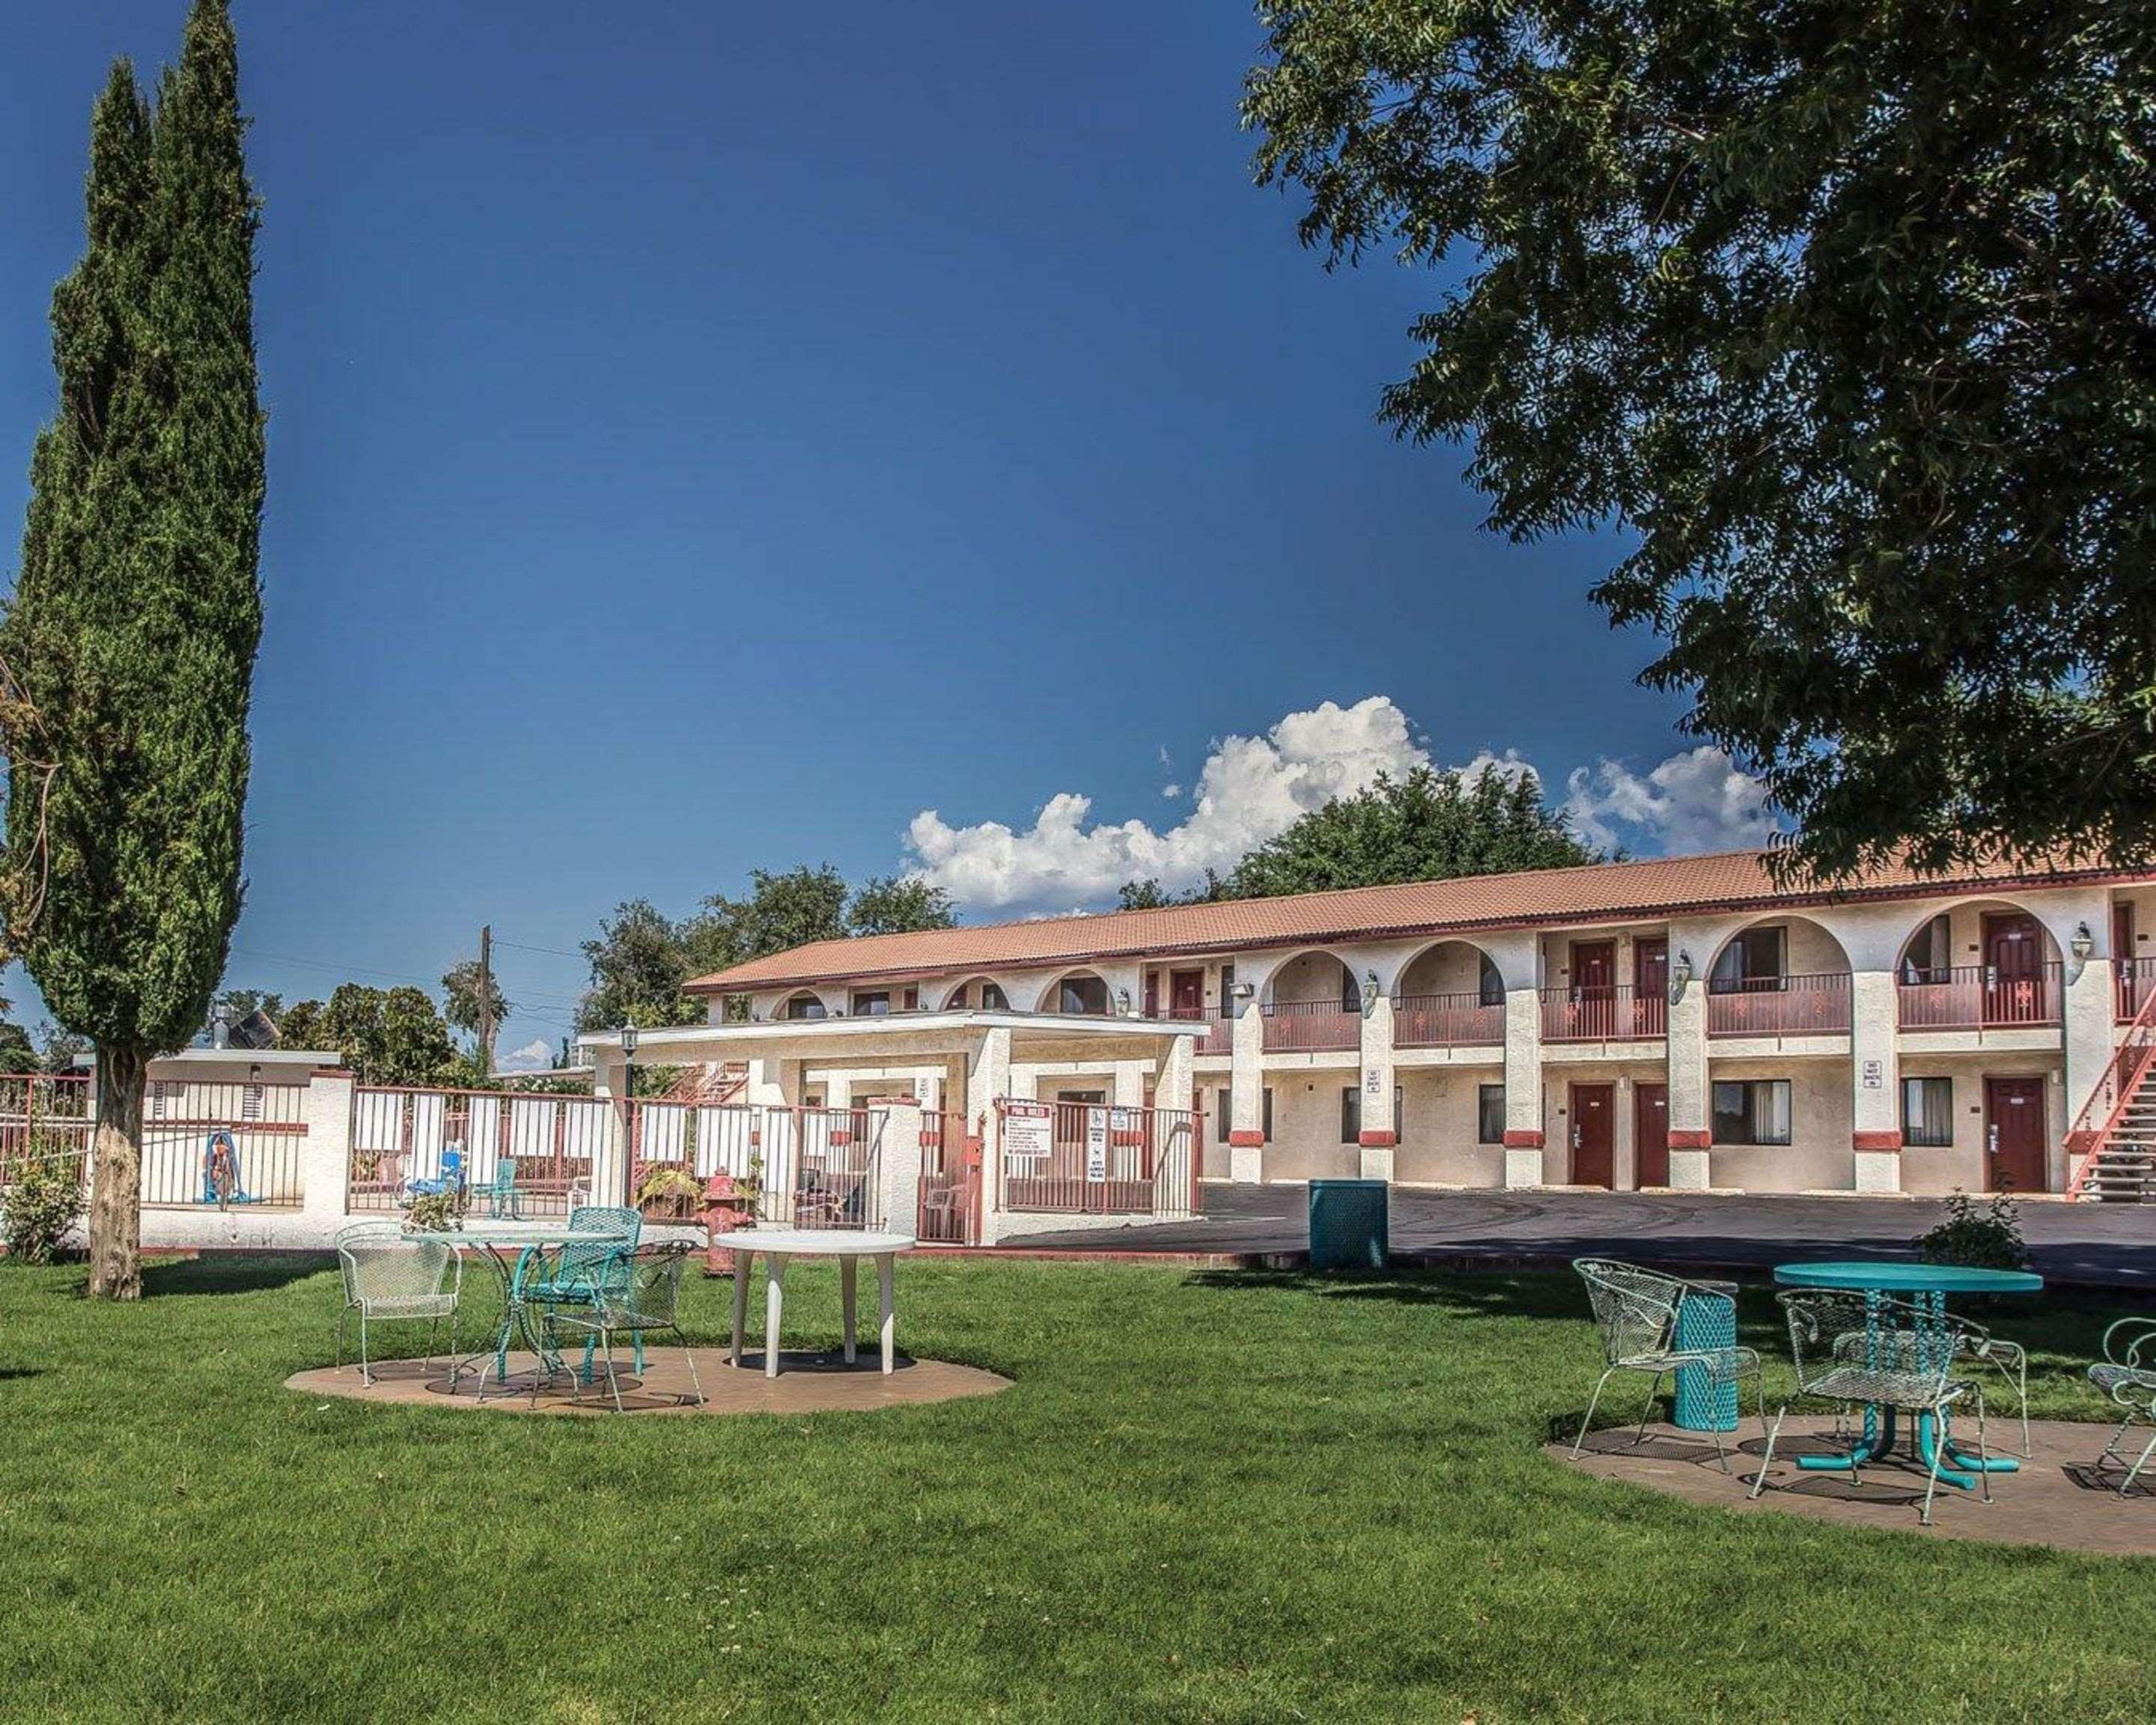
{"x":1979,"y":997}
{"x":1610,"y":1015}
{"x":1219,"y":1036}
{"x":1779,"y":1006}
{"x":1446,"y":1021}
{"x":1304,"y":1025}
{"x":2136,"y":982}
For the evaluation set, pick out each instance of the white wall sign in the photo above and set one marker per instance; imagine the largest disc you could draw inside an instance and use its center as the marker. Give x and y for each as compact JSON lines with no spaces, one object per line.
{"x":1373,"y":1081}
{"x":1028,"y":1129}
{"x":1096,"y":1144}
{"x":1875,"y":1075}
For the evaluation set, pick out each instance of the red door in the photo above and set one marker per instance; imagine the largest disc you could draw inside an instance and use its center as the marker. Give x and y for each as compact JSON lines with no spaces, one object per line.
{"x":2013,"y":970}
{"x":1186,"y":993}
{"x":2014,"y":1134}
{"x":1650,"y":1134}
{"x":1594,"y":988}
{"x":1650,"y":989}
{"x":1593,"y":1136}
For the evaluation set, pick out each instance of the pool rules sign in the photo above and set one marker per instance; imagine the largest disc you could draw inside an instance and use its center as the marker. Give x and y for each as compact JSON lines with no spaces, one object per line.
{"x":1028,"y":1129}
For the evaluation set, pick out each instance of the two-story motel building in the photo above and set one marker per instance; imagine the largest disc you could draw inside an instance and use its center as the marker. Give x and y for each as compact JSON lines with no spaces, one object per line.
{"x":1681,"y":1023}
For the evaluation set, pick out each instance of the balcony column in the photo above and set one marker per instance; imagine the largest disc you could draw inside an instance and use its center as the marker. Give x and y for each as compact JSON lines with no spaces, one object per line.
{"x":1874,"y":1006}
{"x":1246,"y":1093}
{"x":1378,"y":1138}
{"x":2089,"y":1008}
{"x":1691,"y":1091}
{"x":1524,"y":1086}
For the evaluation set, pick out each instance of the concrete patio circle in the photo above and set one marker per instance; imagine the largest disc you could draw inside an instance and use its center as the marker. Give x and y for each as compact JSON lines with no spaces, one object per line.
{"x":2058,"y":1498}
{"x":807,"y":1384}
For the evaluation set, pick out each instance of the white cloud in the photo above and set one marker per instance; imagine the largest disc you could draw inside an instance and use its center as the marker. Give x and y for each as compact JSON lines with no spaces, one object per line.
{"x":1699,"y":800}
{"x":535,"y":1055}
{"x":1253,"y":788}
{"x":1171,"y":791}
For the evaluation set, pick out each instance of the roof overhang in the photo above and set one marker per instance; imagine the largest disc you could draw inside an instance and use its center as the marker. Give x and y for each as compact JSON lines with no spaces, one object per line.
{"x":888,"y":1037}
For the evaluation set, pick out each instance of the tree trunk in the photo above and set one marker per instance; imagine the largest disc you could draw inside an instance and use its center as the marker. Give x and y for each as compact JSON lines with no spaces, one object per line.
{"x":116,"y":1201}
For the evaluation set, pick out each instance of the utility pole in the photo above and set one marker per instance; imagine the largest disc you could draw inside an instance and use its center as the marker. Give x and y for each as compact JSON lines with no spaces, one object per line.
{"x":486,"y":1000}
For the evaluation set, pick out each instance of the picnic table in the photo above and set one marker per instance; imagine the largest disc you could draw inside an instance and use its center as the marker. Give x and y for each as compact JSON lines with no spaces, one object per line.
{"x":1924,"y":1287}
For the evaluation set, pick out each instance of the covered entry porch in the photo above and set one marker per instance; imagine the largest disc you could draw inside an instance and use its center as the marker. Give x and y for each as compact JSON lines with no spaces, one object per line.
{"x":988,"y":1124}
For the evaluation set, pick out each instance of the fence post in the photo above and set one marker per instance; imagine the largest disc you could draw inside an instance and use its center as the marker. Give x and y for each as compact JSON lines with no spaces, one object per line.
{"x":899,"y":1155}
{"x":610,"y":1155}
{"x":326,"y":1152}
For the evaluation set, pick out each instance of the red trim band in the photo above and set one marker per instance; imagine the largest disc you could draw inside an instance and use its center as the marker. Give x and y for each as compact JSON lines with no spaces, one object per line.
{"x":1523,"y":1140}
{"x":1690,"y":1139}
{"x":1876,"y":1141}
{"x":1246,"y":1141}
{"x":1378,"y":1140}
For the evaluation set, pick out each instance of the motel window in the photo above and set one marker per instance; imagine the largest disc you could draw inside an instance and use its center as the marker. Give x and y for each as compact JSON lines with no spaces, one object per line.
{"x":804,"y":1006}
{"x":1490,"y":1114}
{"x":1928,"y":1113}
{"x":1227,"y":991}
{"x":1086,"y":994}
{"x":913,"y":1000}
{"x":872,"y":1005}
{"x":1492,"y":984}
{"x":1751,"y":1111}
{"x":1930,"y":955}
{"x":992,"y":998}
{"x":1751,"y":962}
{"x":1351,"y":1112}
{"x":1224,"y":1119}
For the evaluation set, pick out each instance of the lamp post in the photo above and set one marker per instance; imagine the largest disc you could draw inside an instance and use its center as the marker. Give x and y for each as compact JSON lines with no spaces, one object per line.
{"x":628,"y":1059}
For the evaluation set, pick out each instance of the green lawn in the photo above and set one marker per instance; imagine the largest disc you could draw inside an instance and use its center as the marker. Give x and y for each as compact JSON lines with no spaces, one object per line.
{"x":1210,"y":1496}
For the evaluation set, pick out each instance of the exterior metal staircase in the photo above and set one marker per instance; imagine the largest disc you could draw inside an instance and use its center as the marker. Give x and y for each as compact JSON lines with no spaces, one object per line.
{"x":2113,"y":1146}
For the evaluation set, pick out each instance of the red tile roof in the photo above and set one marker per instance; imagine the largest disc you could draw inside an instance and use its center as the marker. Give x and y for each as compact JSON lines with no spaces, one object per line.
{"x":1735,"y":880}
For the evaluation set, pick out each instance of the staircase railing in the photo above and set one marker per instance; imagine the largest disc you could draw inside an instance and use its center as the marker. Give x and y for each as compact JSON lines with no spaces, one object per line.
{"x":2113,"y":1094}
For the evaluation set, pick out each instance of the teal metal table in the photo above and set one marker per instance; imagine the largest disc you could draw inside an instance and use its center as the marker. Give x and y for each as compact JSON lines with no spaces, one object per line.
{"x":1706,"y":1323}
{"x":1926,"y":1287}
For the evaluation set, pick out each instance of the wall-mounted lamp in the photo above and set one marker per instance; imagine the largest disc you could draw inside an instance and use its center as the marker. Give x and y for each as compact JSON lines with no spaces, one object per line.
{"x":1122,"y":1002}
{"x":2082,"y":944}
{"x":1369,"y":991}
{"x":1680,"y":976}
{"x":1243,"y":991}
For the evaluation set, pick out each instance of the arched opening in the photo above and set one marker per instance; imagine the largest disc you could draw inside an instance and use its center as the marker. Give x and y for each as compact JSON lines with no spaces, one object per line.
{"x":1450,"y":995}
{"x":978,"y":993}
{"x":1779,"y":976}
{"x":1985,"y":963}
{"x":1312,"y":1002}
{"x":804,"y":1006}
{"x":1077,"y":993}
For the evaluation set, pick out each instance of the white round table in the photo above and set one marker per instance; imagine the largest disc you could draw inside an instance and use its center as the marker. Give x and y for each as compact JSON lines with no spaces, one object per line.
{"x":848,"y":1245}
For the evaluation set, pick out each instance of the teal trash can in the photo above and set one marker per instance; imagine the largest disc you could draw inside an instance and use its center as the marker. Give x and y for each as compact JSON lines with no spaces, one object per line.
{"x":1706,"y":1318}
{"x":1347,"y":1224}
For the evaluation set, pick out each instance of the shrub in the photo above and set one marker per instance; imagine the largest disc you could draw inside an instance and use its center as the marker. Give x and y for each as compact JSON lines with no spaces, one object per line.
{"x":44,"y":1204}
{"x":1990,"y":1241}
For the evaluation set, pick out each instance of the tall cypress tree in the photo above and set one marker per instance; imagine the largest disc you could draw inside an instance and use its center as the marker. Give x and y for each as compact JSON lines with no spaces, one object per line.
{"x":129,"y":644}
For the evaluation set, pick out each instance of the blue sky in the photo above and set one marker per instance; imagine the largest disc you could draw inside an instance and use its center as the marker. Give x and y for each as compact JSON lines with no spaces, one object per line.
{"x":706,"y":438}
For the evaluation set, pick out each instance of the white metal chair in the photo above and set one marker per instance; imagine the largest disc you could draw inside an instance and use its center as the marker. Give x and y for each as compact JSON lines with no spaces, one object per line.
{"x":2127,"y":1374}
{"x":393,"y":1277}
{"x":1637,"y":1312}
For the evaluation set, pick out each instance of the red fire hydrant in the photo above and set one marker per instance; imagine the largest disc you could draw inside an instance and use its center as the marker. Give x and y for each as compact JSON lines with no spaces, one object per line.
{"x":728,"y":1204}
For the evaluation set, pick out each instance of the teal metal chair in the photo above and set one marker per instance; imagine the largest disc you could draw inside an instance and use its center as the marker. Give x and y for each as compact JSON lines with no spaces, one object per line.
{"x":503,"y":1202}
{"x":391,"y":1276}
{"x":571,"y":1279}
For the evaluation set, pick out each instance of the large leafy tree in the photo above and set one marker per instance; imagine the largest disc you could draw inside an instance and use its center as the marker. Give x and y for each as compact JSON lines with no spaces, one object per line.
{"x":1429,"y":826}
{"x":888,"y":904}
{"x":385,"y":1035}
{"x":462,"y":996}
{"x":1845,"y":314}
{"x":129,"y":642}
{"x":638,"y":963}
